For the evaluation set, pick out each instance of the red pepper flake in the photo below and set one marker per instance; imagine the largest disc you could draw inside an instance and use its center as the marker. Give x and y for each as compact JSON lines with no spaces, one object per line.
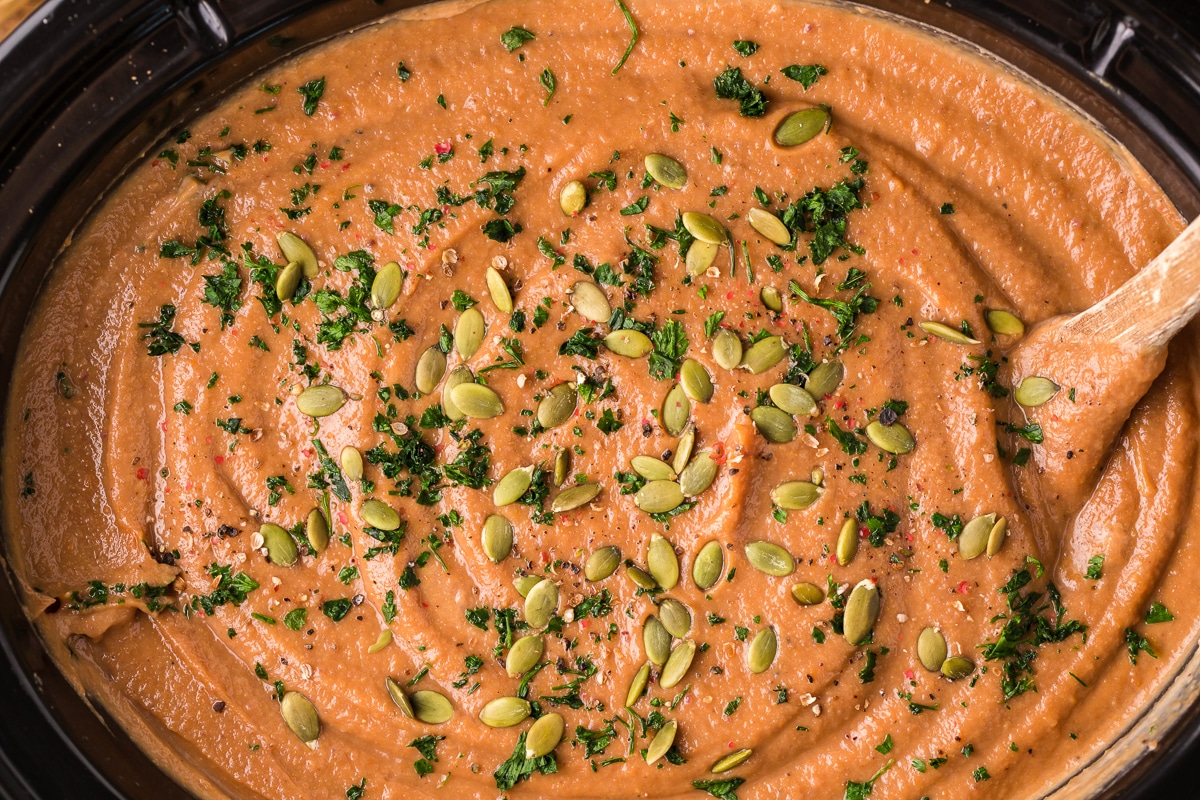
{"x":840,"y":404}
{"x":219,"y":459}
{"x":342,"y":518}
{"x":163,"y":425}
{"x":345,"y":167}
{"x":964,"y":587}
{"x":308,"y":452}
{"x":545,"y":557}
{"x":442,"y":148}
{"x":729,"y":295}
{"x":143,"y":473}
{"x":910,"y":675}
{"x":324,"y":165}
{"x":718,"y":453}
{"x":730,"y":745}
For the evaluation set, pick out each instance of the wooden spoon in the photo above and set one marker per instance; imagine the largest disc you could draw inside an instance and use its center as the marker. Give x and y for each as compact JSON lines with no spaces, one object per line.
{"x":1104,"y":360}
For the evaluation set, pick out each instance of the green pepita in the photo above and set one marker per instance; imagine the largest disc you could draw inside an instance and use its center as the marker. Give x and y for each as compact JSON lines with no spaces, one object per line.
{"x":727,"y":349}
{"x":385,"y":289}
{"x":352,"y":463}
{"x":296,"y":249}
{"x":764,"y":354}
{"x":496,"y":538}
{"x":761,"y":653}
{"x":862,"y":610}
{"x":316,"y":530}
{"x":602,"y":563}
{"x":383,"y":640}
{"x":380,"y":515}
{"x":628,"y":343}
{"x":770,"y":558}
{"x":708,"y":566}
{"x":510,"y":488}
{"x":661,"y":742}
{"x":808,"y":594}
{"x":1035,"y":391}
{"x":931,"y":649}
{"x":1004,"y":323}
{"x":957,"y":667}
{"x":683,"y":451}
{"x":675,"y":617}
{"x":301,"y":716}
{"x":795,"y":495}
{"x":678,"y":664}
{"x":501,"y":295}
{"x":774,"y":425}
{"x":893,"y":438}
{"x":770,"y":227}
{"x":704,"y":227}
{"x":825,"y":379}
{"x":544,"y":735}
{"x":562,"y":466}
{"x":469,"y":332}
{"x":320,"y":401}
{"x":847,"y":542}
{"x":557,"y":406}
{"x":771,"y":299}
{"x":662,"y":562}
{"x":541,"y":603}
{"x":973,"y":540}
{"x":281,"y":547}
{"x":288,"y":281}
{"x":431,"y":707}
{"x":700,"y":256}
{"x":524,"y":583}
{"x":504,"y":712}
{"x":477,"y":401}
{"x":801,"y":126}
{"x":431,"y":366}
{"x":656,"y":640}
{"x":458,"y":376}
{"x":640,"y":578}
{"x":652,"y":469}
{"x":731,"y":761}
{"x":575,"y":497}
{"x":573,"y":198}
{"x":698,"y":475}
{"x":396,"y":692}
{"x":676,"y":410}
{"x":590,"y":302}
{"x":637,"y":687}
{"x":996,"y":537}
{"x":696,"y":382}
{"x":944,"y":331}
{"x":524,"y":655}
{"x":667,"y":171}
{"x":792,"y":399}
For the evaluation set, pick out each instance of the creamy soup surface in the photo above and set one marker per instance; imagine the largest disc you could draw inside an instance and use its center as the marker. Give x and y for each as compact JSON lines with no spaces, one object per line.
{"x":465,"y":409}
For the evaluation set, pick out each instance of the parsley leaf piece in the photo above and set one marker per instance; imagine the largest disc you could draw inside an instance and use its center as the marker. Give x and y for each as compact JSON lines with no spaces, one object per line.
{"x":160,"y":339}
{"x":500,"y":230}
{"x":636,"y":207}
{"x":633,"y":38}
{"x":732,"y":85}
{"x":670,"y":344}
{"x":1136,"y":643}
{"x":518,"y":767}
{"x":745,"y":47}
{"x":806,"y":74}
{"x":722,"y":789}
{"x":549,"y":83}
{"x":337,"y":609}
{"x":312,"y":92}
{"x":514,"y":37}
{"x":1158,"y":613}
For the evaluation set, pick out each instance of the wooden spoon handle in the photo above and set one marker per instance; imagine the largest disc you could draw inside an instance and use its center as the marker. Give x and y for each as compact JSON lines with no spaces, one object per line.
{"x":1151,"y":306}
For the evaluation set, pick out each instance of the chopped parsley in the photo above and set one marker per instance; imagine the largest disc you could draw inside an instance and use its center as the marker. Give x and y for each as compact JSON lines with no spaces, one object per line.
{"x":745,"y":48}
{"x":312,"y":92}
{"x":732,"y":85}
{"x":514,"y":37}
{"x":806,"y":74}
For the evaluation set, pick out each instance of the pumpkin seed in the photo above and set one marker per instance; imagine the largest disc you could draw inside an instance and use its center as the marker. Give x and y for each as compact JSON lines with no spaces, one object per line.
{"x":675,"y":617}
{"x":683,"y":451}
{"x":808,"y":594}
{"x":667,"y":171}
{"x":661,"y":742}
{"x":320,"y":401}
{"x":296,"y":249}
{"x":657,"y":641}
{"x":524,"y":583}
{"x":1004,"y":323}
{"x":727,"y":349}
{"x":575,"y":497}
{"x":847,"y":542}
{"x":801,"y":126}
{"x":562,"y":466}
{"x":301,"y":716}
{"x":771,"y":298}
{"x":761,"y":653}
{"x":764,"y":354}
{"x":775,"y":425}
{"x":640,"y":577}
{"x":628,"y":343}
{"x":943,"y":331}
{"x":957,"y":667}
{"x":676,"y":409}
{"x":731,"y":761}
{"x":770,"y":227}
{"x":316,"y":530}
{"x":708,"y":566}
{"x":504,"y":712}
{"x":795,"y":495}
{"x":893,"y":438}
{"x":557,"y":406}
{"x":973,"y":540}
{"x":385,"y":289}
{"x":497,"y":538}
{"x":698,"y":475}
{"x":602,"y":563}
{"x":695,"y":380}
{"x":385,"y":638}
{"x":1035,"y":391}
{"x":652,"y":469}
{"x":659,"y":497}
{"x":524,"y":655}
{"x":398,"y":697}
{"x":862,"y":610}
{"x":380,"y":515}
{"x":510,"y":488}
{"x":678,"y":664}
{"x":281,"y":547}
{"x":590,"y":302}
{"x":352,"y":463}
{"x":288,"y":281}
{"x":458,"y":376}
{"x":996,"y":537}
{"x":477,"y":401}
{"x":931,"y":649}
{"x":704,"y":227}
{"x":468,"y":333}
{"x":541,"y":603}
{"x":573,"y":198}
{"x":544,"y":735}
{"x":700,"y":256}
{"x":825,"y":379}
{"x":431,"y":707}
{"x":770,"y":558}
{"x":637,"y":687}
{"x":662,"y":562}
{"x":792,"y":399}
{"x":498,"y":288}
{"x":431,"y":366}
